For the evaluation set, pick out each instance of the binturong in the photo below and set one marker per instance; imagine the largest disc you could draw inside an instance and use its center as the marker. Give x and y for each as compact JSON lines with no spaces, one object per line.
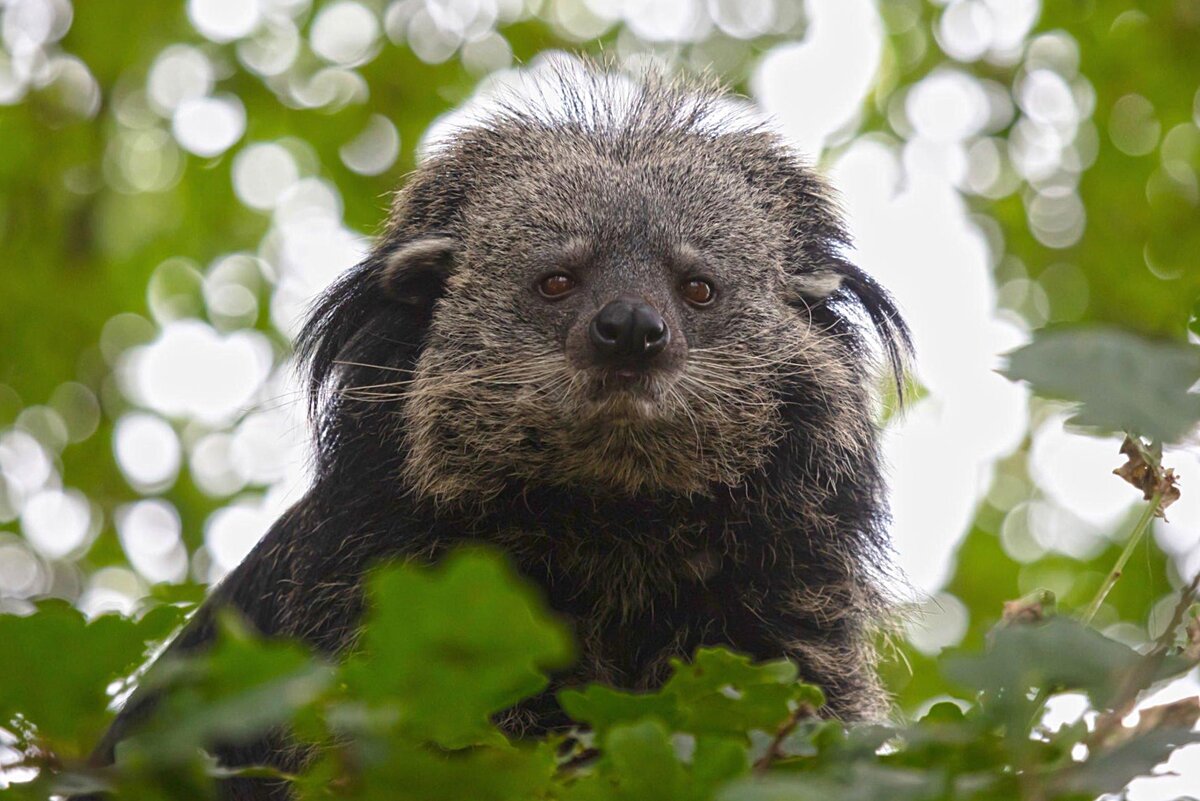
{"x":609,"y":329}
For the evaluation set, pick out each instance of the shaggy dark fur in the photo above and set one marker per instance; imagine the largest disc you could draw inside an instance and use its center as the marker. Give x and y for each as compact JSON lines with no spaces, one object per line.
{"x":731,"y":495}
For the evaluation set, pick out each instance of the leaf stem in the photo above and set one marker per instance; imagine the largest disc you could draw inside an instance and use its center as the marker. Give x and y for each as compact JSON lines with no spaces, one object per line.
{"x":1142,"y":676}
{"x":1135,"y":537}
{"x":775,"y":749}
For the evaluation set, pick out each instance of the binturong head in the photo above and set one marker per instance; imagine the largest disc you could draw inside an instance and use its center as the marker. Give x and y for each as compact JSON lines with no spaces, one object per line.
{"x":626,"y":289}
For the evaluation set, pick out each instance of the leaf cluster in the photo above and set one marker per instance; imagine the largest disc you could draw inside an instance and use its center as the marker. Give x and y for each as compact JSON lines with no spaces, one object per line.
{"x":412,"y":713}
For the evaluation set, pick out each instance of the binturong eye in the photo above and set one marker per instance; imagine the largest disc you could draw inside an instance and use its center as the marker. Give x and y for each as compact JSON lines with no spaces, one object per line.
{"x":556,"y":285}
{"x":698,"y":291}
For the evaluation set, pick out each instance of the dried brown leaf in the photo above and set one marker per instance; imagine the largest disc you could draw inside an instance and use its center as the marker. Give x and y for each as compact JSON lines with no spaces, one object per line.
{"x":1026,"y":610}
{"x":1148,"y":476}
{"x":1023,"y":611}
{"x":1169,"y":486}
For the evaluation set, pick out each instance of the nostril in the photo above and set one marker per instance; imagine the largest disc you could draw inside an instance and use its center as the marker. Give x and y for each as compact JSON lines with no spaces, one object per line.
{"x":609,"y":327}
{"x":657,"y":340}
{"x":656,"y":333}
{"x":605,"y":331}
{"x":650,"y":330}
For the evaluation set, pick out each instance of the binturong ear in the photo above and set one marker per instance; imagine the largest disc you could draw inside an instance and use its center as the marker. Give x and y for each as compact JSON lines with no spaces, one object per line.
{"x":837,"y":280}
{"x":373,"y":318}
{"x":415,"y":273}
{"x":811,"y":287}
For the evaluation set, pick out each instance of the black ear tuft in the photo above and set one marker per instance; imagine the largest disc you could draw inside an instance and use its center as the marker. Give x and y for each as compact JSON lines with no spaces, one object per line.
{"x":373,"y":318}
{"x":893,"y":332}
{"x":818,"y":279}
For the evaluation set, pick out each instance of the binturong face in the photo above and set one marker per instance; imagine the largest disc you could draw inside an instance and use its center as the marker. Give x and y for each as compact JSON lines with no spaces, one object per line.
{"x":615,"y":326}
{"x":641,"y":304}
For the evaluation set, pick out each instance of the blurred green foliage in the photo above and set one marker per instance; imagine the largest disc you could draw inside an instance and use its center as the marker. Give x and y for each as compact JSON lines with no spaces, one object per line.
{"x":1127,"y":383}
{"x":400,"y":720}
{"x":79,"y":245}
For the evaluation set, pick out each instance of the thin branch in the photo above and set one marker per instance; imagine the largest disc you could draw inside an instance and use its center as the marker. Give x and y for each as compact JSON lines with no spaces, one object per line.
{"x":1139,"y":530}
{"x":775,"y":749}
{"x":1143,"y":673}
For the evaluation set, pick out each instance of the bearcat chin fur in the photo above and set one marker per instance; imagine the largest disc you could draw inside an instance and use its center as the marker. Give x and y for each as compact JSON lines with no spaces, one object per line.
{"x":623,"y":444}
{"x":778,"y":552}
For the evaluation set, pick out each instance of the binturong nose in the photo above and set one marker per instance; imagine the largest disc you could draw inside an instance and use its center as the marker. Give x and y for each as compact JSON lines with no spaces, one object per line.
{"x":629,"y":330}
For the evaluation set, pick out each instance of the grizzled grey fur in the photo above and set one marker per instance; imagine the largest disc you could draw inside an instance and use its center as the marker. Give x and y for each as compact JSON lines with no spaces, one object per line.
{"x":727,"y":492}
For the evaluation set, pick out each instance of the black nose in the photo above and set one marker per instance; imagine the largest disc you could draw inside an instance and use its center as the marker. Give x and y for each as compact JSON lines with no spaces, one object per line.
{"x":629,"y":329}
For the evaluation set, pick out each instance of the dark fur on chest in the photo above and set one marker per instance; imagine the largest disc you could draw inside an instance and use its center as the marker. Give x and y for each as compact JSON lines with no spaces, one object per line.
{"x":779,"y":566}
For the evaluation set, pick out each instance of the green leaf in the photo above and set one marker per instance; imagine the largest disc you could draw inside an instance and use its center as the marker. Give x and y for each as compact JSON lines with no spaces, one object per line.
{"x":642,"y":762}
{"x":1123,"y":382}
{"x":861,"y":782}
{"x":719,"y":760}
{"x":724,"y":693}
{"x":402,"y":771}
{"x":43,"y":787}
{"x":1111,"y":770}
{"x":1058,"y":654}
{"x":450,"y":646}
{"x":642,"y":757}
{"x":943,"y":713}
{"x":603,"y":707}
{"x":233,"y":692}
{"x":144,"y":779}
{"x":56,"y":666}
{"x":718,"y":692}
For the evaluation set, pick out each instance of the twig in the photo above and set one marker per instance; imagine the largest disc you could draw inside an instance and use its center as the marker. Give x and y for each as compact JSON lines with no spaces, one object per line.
{"x":775,"y":749}
{"x":1143,"y":673}
{"x":1139,"y":530}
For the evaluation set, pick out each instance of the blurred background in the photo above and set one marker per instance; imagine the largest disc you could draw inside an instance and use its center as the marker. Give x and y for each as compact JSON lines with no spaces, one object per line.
{"x":178,"y":180}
